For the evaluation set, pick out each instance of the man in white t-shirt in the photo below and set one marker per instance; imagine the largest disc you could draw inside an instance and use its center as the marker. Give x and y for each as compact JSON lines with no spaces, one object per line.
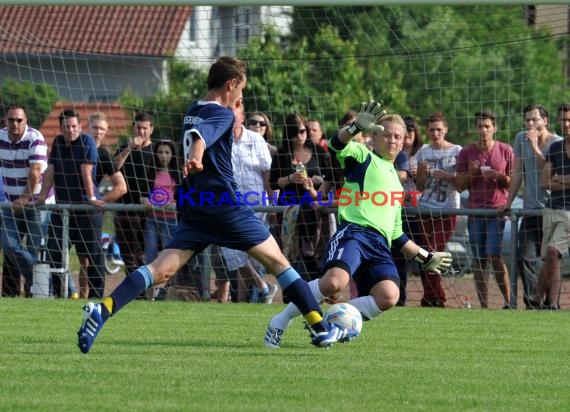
{"x":436,"y":179}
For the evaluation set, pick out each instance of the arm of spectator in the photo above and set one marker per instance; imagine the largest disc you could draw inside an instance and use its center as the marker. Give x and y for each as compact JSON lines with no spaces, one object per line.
{"x":283,"y":181}
{"x":267,"y":186}
{"x":280,"y":182}
{"x":86,"y":170}
{"x":463,"y":180}
{"x":549,"y":181}
{"x":47,"y":183}
{"x":119,"y":188}
{"x":445,"y":175}
{"x":532,"y":139}
{"x":34,"y":179}
{"x":502,"y":179}
{"x":515,"y":184}
{"x":309,"y":186}
{"x":560,"y":182}
{"x":120,"y":158}
{"x":423,"y":173}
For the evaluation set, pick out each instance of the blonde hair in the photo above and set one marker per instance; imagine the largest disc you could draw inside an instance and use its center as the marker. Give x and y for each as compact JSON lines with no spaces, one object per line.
{"x":97,"y":116}
{"x":395,"y":118}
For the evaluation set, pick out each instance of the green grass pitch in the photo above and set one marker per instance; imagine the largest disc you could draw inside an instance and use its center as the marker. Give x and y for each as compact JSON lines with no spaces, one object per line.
{"x":178,"y":356}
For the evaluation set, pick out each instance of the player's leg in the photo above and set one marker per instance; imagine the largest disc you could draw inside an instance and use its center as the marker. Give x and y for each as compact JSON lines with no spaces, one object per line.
{"x":168,"y":262}
{"x":269,"y":254}
{"x":343,"y":257}
{"x":333,"y":281}
{"x":322,"y":333}
{"x":383,"y":296}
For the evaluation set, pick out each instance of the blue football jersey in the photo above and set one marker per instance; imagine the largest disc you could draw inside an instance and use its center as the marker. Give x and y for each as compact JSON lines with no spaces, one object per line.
{"x":213,"y":189}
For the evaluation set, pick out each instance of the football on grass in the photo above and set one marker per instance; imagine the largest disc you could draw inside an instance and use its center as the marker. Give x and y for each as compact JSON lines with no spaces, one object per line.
{"x":344,"y":315}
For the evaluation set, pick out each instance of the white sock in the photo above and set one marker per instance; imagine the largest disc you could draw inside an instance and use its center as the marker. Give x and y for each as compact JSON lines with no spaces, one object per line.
{"x":316,"y":291}
{"x":366,"y":305}
{"x":283,"y":319}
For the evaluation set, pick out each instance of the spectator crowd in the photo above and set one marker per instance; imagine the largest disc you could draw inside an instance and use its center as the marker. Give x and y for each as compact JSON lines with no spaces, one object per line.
{"x":294,"y":168}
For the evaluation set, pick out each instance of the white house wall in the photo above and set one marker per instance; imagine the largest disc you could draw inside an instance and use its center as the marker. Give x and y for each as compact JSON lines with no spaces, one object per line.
{"x":86,"y":78}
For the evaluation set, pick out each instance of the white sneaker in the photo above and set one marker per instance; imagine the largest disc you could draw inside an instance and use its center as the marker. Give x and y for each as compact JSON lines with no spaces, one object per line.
{"x":273,"y":336}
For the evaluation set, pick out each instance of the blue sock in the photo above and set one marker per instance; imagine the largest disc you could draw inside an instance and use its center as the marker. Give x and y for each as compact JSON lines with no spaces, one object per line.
{"x":300,"y":294}
{"x":129,"y":289}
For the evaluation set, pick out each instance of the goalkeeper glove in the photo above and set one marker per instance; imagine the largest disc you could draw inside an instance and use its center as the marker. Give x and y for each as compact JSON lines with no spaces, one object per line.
{"x":434,"y":262}
{"x":366,"y":118}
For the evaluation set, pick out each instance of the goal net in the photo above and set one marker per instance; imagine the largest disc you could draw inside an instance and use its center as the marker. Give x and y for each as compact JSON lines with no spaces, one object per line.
{"x":132,"y":67}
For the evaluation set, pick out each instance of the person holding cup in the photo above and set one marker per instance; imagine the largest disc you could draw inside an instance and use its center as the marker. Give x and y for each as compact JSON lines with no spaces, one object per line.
{"x":436,"y":180}
{"x":484,"y":169}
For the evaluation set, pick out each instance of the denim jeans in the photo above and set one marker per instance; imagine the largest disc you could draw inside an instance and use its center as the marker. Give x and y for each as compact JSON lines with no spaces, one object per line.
{"x":31,"y":224}
{"x":157,"y":230}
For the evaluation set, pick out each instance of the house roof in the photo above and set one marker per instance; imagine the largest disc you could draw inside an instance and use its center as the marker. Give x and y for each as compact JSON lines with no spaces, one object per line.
{"x":120,"y":120}
{"x":117,"y":30}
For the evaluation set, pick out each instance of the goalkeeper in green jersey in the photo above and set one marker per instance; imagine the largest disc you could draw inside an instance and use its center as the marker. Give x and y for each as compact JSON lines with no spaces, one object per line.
{"x":369,"y":214}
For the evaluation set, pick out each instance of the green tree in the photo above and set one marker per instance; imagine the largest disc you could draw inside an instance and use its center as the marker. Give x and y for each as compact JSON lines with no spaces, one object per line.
{"x":185,"y":85}
{"x":458,"y":60}
{"x":37,"y":99}
{"x":284,"y":77}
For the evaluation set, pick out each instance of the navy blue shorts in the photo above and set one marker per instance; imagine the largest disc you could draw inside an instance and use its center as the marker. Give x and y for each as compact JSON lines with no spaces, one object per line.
{"x":364,"y":253}
{"x":233,"y":227}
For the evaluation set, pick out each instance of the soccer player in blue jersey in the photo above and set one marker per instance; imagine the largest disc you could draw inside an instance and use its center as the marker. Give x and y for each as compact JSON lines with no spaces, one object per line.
{"x":207,"y":142}
{"x":370,"y":220}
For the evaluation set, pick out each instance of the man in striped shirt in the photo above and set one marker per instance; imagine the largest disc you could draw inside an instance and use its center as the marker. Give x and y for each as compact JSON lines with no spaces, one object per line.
{"x":23,"y":159}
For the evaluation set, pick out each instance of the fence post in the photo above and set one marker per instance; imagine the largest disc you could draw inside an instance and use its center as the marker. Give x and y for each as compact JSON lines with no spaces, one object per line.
{"x":65,"y":255}
{"x":513,"y":275}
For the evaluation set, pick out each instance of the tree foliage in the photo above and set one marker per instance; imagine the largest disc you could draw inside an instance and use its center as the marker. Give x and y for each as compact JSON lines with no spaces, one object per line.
{"x":287,"y":77}
{"x":414,"y":59}
{"x":37,"y":99}
{"x":458,"y":60}
{"x":186,"y":84}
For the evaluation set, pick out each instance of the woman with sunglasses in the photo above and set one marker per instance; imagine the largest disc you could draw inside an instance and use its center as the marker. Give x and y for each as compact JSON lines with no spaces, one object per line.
{"x":259,"y":122}
{"x":295,"y":186}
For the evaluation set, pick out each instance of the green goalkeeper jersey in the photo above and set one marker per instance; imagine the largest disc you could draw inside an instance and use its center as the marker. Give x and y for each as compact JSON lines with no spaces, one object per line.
{"x":372,"y":194}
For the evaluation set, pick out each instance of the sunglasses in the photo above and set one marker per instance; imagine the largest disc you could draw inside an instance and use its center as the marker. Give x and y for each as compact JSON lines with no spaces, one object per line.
{"x":302,"y":131}
{"x":13,"y":119}
{"x":257,"y":123}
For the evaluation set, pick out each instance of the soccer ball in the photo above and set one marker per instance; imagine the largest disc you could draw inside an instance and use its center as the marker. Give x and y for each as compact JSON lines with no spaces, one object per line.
{"x":344,"y":315}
